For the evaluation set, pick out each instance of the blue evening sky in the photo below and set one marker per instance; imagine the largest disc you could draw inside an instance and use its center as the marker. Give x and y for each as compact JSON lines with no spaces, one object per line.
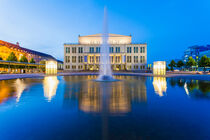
{"x":167,"y":26}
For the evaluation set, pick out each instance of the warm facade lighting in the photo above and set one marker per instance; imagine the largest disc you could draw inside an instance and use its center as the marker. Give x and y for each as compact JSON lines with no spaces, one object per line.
{"x":159,"y":68}
{"x":51,"y":67}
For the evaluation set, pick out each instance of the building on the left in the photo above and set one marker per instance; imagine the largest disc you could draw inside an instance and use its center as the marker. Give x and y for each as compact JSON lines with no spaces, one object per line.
{"x":7,"y":48}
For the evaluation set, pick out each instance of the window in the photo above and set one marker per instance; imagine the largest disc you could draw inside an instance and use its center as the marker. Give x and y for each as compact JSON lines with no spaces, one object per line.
{"x":74,"y":59}
{"x":80,"y":67}
{"x":111,"y":49}
{"x":91,"y":49}
{"x":142,"y":50}
{"x":80,"y":58}
{"x":67,"y":59}
{"x":97,"y":59}
{"x":73,"y":67}
{"x":91,"y":59}
{"x":74,"y":50}
{"x":67,"y":50}
{"x":67,"y":66}
{"x":128,"y":49}
{"x":112,"y":59}
{"x":98,"y":49}
{"x":117,"y":49}
{"x":135,"y":49}
{"x":128,"y":59}
{"x":142,"y":59}
{"x":135,"y":59}
{"x":80,"y":49}
{"x":85,"y":58}
{"x":117,"y":59}
{"x":136,"y":67}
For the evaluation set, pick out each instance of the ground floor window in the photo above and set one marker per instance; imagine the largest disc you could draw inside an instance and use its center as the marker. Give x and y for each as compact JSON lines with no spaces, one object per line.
{"x":73,"y":67}
{"x":136,"y":67}
{"x":67,"y":66}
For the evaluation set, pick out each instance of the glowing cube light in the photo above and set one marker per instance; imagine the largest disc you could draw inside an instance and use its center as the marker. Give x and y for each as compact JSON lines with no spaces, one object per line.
{"x":51,"y":67}
{"x":159,"y":68}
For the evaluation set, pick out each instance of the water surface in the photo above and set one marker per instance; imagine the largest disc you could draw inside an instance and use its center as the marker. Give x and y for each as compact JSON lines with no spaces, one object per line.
{"x":77,"y":108}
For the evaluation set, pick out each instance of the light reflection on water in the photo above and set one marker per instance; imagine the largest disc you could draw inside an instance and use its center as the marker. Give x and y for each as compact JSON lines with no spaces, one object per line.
{"x":132,"y":108}
{"x":50,"y":86}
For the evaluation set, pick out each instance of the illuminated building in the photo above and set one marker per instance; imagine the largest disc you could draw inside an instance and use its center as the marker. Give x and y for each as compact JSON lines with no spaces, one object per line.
{"x":51,"y":67}
{"x":124,"y":55}
{"x":159,"y":68}
{"x":6,"y":48}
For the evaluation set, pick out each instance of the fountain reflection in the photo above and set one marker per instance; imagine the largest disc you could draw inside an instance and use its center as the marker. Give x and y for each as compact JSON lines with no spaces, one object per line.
{"x":160,"y":85}
{"x":50,"y":86}
{"x":114,"y":97}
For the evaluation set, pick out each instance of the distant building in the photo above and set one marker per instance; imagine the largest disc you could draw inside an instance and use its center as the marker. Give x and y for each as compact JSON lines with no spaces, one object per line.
{"x":124,"y":55}
{"x":196,"y":52}
{"x":6,"y":48}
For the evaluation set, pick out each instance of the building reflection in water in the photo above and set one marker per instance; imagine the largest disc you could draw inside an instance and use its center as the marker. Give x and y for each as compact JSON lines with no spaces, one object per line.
{"x":114,"y":97}
{"x":160,"y":85}
{"x":20,"y":86}
{"x":6,"y":91}
{"x":50,"y":86}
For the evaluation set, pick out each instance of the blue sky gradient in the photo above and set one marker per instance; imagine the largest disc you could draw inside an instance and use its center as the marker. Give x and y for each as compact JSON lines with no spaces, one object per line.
{"x":167,"y":26}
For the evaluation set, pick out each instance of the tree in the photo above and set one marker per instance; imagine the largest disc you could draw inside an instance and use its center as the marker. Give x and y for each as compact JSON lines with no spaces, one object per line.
{"x":1,"y":58}
{"x":191,"y":62}
{"x":23,"y":59}
{"x":180,"y":64}
{"x":172,"y":64}
{"x":204,"y":62}
{"x":11,"y":57}
{"x":32,"y":60}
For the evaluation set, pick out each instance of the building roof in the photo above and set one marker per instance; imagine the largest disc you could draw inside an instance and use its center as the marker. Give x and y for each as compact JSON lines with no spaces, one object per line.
{"x":16,"y":46}
{"x":111,"y":35}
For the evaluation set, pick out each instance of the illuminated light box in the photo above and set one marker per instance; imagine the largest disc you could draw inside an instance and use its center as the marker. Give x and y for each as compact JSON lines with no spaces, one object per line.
{"x":159,"y":68}
{"x":51,"y":67}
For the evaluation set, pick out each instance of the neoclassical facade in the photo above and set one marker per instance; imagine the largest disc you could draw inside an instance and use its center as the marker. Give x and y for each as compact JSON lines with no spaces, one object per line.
{"x":124,"y":55}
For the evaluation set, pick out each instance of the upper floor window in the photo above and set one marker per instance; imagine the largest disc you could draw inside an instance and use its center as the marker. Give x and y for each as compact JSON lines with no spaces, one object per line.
{"x":111,"y":49}
{"x":135,"y":49}
{"x":74,"y":50}
{"x":80,"y":49}
{"x":67,"y":50}
{"x":85,"y":58}
{"x":91,"y":49}
{"x":142,"y":50}
{"x":80,"y":58}
{"x":135,"y":59}
{"x":117,"y":49}
{"x":98,"y":49}
{"x":67,"y":59}
{"x":128,"y":59}
{"x":74,"y":59}
{"x":129,"y":50}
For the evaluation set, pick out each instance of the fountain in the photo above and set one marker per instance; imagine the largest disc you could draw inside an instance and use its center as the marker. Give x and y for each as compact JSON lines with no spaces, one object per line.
{"x":105,"y":66}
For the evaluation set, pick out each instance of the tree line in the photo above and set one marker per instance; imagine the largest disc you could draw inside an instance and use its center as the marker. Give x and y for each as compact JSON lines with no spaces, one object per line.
{"x":203,"y":62}
{"x":23,"y":58}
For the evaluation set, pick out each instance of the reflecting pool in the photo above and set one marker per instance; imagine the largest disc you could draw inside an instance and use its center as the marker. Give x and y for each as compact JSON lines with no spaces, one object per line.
{"x":77,"y":108}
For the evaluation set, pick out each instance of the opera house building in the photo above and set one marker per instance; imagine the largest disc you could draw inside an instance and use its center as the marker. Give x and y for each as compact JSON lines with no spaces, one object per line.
{"x":124,"y":55}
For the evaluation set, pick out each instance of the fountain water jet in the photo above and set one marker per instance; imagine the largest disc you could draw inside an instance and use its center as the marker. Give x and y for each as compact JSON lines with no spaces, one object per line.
{"x":105,"y":65}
